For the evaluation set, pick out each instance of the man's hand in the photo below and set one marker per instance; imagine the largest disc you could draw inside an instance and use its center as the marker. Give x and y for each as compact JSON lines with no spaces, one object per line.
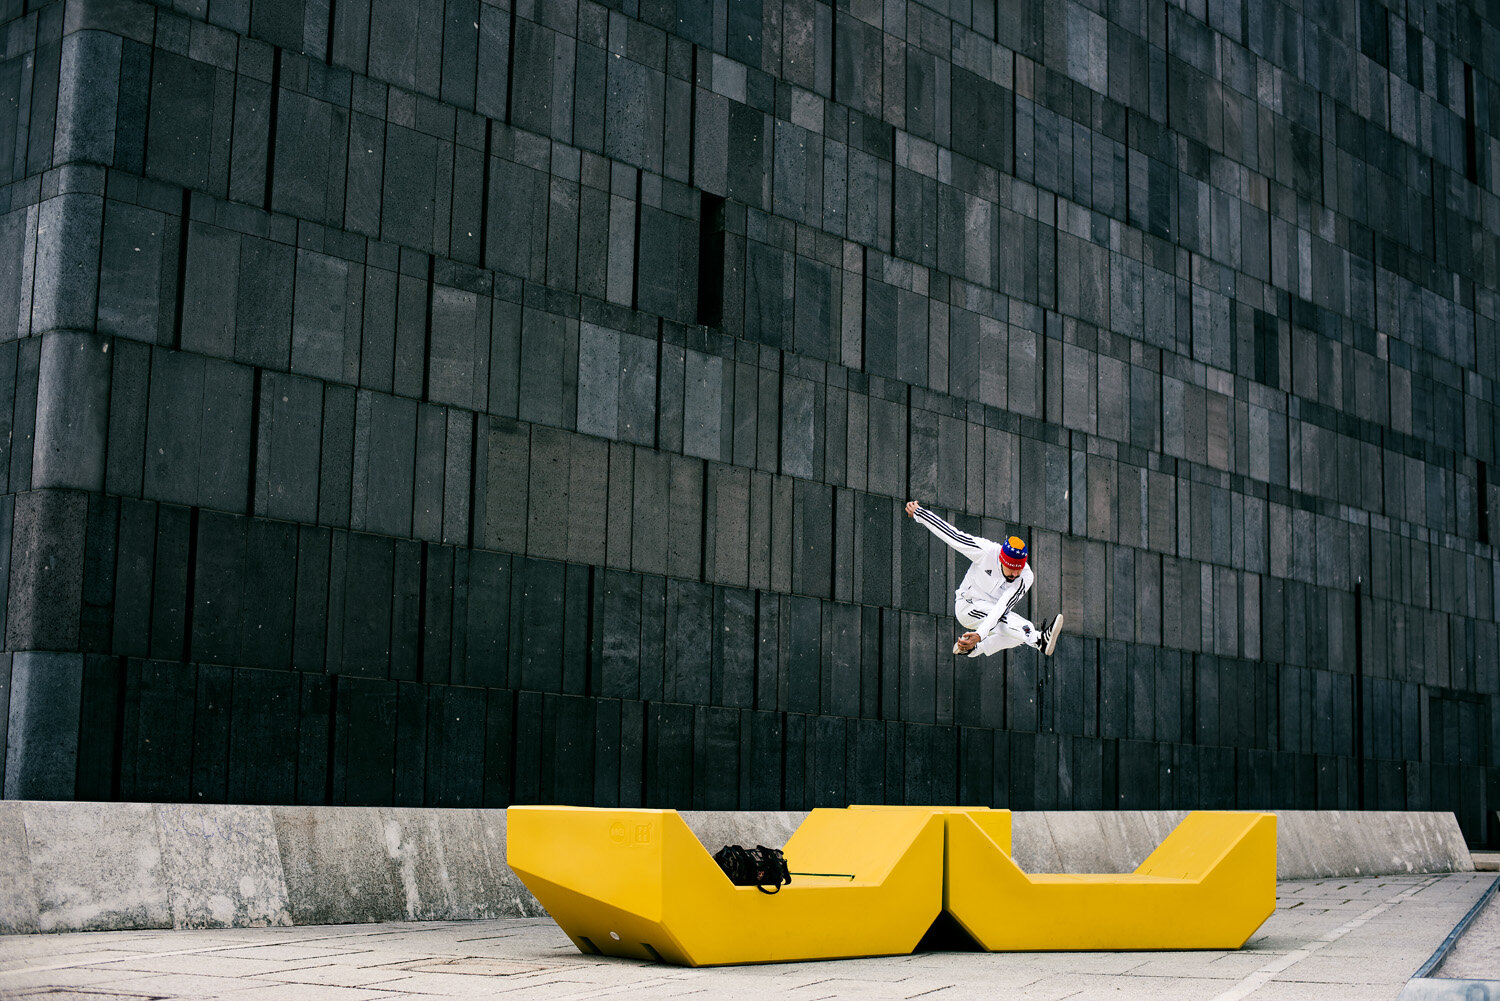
{"x":911,"y":509}
{"x":966,"y":643}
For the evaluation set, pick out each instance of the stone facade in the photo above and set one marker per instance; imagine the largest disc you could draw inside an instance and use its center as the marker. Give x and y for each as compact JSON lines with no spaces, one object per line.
{"x":470,"y":402}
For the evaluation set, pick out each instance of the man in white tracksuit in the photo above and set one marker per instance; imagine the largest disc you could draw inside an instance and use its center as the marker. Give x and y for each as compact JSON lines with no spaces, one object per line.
{"x":985,"y":602}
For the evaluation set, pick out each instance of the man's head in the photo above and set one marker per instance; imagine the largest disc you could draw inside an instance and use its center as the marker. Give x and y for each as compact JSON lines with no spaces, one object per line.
{"x":1012,"y":557}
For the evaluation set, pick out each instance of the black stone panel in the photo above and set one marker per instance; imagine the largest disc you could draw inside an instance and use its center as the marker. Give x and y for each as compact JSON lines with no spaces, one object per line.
{"x":159,"y":698}
{"x":101,"y":694}
{"x":210,"y":728}
{"x":411,"y":743}
{"x":45,"y":597}
{"x":363,"y":762}
{"x":264,"y":711}
{"x":407,"y":389}
{"x":315,"y":719}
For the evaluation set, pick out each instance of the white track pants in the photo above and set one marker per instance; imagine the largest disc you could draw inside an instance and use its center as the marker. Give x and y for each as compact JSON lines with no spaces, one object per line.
{"x":1011,"y":631}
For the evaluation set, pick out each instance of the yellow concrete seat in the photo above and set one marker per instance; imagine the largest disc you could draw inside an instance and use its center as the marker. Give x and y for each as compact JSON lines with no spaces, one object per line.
{"x":638,"y":883}
{"x":995,"y":823}
{"x":1209,"y":885}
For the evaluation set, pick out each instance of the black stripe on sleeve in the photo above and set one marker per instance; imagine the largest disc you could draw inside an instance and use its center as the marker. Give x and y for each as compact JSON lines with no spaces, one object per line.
{"x":961,"y":538}
{"x":1020,"y":591}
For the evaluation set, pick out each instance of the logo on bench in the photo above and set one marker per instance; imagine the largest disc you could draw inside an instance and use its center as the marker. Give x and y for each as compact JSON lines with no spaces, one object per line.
{"x":624,"y":834}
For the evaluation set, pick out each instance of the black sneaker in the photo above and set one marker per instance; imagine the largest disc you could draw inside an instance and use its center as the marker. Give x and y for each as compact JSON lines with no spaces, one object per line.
{"x":1048,"y":641}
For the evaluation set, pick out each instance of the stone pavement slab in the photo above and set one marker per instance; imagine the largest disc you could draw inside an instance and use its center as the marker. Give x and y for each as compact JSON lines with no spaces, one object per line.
{"x":1329,"y":939}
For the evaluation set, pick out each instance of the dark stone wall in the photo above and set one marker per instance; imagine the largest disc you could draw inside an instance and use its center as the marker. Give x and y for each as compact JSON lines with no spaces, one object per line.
{"x":464,"y":403}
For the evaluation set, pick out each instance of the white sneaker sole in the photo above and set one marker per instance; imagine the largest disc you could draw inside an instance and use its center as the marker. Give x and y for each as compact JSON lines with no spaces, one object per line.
{"x":1052,"y":632}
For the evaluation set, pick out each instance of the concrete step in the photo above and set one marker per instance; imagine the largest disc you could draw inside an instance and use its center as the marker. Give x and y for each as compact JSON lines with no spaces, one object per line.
{"x":109,"y":866}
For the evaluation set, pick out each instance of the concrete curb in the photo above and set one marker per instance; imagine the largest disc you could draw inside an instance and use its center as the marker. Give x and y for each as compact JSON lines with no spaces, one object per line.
{"x":68,"y":866}
{"x":1435,"y":980}
{"x":1436,"y":989}
{"x":1310,"y":844}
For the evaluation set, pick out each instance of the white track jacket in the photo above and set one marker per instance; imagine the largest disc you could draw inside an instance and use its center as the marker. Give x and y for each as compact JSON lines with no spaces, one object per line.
{"x":985,"y":598}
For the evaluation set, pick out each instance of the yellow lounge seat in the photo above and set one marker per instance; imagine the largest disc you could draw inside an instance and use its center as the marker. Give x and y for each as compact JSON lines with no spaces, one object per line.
{"x":638,"y":883}
{"x":996,"y":824}
{"x":1209,"y":885}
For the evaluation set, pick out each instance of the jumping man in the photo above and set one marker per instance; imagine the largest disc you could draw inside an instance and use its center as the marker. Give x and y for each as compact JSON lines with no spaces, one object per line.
{"x":998,"y":578}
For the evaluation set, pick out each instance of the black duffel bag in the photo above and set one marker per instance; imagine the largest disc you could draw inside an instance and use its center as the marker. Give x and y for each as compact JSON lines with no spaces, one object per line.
{"x":759,"y":867}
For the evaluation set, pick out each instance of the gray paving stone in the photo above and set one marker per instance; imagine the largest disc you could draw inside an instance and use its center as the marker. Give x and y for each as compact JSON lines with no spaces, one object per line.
{"x":1310,"y":947}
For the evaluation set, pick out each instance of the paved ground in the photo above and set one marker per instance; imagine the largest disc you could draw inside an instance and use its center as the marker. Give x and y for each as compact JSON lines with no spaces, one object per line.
{"x":1476,"y":955}
{"x":1329,"y":939}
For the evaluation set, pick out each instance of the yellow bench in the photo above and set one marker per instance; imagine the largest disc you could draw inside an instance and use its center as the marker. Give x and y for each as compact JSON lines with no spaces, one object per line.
{"x":1209,"y":885}
{"x":638,"y":883}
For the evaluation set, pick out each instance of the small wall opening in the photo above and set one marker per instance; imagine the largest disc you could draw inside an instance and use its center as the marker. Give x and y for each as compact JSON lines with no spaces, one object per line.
{"x":711,"y":261}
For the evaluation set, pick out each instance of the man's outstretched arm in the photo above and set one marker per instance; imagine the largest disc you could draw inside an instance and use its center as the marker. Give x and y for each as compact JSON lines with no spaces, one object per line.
{"x":962,"y":542}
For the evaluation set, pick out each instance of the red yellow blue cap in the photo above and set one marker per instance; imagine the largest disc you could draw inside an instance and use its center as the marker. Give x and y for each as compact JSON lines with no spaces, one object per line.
{"x":1013,"y":554}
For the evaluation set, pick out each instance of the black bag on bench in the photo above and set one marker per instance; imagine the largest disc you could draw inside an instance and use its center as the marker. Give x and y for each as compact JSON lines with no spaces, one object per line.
{"x":759,"y":867}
